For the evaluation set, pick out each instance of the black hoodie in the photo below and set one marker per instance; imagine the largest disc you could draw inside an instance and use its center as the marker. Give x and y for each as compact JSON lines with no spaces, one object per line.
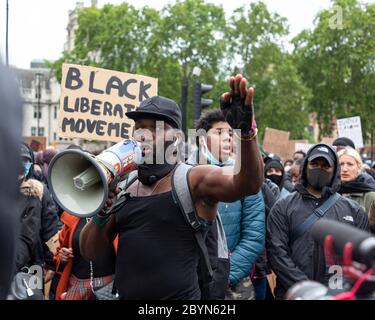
{"x":304,"y":259}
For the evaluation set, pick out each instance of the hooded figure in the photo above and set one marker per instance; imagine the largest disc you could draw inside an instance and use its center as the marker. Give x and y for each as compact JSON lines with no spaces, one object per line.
{"x":10,"y":137}
{"x":30,"y":207}
{"x":274,"y":171}
{"x":302,"y":258}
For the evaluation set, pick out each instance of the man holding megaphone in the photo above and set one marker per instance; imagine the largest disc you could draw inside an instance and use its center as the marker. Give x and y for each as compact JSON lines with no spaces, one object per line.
{"x":158,"y":255}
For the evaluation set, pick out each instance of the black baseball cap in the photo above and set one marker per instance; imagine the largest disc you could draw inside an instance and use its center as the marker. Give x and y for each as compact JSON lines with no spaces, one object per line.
{"x":158,"y":107}
{"x":343,"y":142}
{"x":322,"y":151}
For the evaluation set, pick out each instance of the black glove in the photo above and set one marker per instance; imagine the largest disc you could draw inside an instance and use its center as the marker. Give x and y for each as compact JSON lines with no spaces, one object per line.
{"x":239,"y":115}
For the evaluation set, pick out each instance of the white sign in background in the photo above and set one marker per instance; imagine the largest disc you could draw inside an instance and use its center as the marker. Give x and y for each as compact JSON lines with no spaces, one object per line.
{"x":303,"y":147}
{"x":351,"y":128}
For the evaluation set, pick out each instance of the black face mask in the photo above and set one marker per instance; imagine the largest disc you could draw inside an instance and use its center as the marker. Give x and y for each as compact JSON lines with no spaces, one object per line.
{"x":148,"y":174}
{"x":275,"y":178}
{"x":319,"y":178}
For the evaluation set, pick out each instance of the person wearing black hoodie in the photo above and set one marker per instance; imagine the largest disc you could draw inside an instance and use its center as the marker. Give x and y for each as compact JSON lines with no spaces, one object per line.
{"x":300,"y":258}
{"x":274,"y":170}
{"x":48,"y":228}
{"x":30,"y":209}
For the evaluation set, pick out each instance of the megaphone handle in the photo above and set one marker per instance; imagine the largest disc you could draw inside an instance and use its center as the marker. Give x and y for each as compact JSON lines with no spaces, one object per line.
{"x":112,"y":187}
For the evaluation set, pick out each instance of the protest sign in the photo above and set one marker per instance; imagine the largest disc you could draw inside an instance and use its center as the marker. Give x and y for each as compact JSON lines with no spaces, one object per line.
{"x":277,"y":142}
{"x":351,"y":128}
{"x":36,"y":143}
{"x":94,"y":102}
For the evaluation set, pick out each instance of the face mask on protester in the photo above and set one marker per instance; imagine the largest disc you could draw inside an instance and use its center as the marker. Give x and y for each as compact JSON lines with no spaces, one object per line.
{"x":25,"y":169}
{"x":275,"y":178}
{"x":148,"y":174}
{"x":319,"y":178}
{"x":212,"y":160}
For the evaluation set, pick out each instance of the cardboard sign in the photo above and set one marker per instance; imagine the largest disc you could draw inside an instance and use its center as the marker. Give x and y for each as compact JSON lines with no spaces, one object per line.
{"x":53,"y":243}
{"x":94,"y":102}
{"x":351,"y":128}
{"x":277,"y":142}
{"x":36,"y":143}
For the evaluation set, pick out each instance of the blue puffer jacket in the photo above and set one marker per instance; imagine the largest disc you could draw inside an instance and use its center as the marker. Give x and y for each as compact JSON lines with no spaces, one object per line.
{"x":244,"y":225}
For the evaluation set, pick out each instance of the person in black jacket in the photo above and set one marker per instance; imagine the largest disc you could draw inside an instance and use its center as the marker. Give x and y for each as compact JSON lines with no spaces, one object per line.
{"x":48,"y":224}
{"x":271,"y":193}
{"x":30,"y":207}
{"x":301,"y":258}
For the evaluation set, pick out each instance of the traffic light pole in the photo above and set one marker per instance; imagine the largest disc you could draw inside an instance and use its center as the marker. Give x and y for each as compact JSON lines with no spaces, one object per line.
{"x":200,"y":103}
{"x":184,"y":100}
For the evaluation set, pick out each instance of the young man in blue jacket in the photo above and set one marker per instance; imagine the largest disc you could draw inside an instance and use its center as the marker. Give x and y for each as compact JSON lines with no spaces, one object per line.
{"x":243,"y":220}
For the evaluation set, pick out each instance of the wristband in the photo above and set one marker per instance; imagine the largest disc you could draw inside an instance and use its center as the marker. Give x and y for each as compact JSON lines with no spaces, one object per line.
{"x":250,"y":137}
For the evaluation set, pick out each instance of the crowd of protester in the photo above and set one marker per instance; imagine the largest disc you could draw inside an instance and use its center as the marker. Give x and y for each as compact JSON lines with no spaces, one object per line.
{"x":251,"y":223}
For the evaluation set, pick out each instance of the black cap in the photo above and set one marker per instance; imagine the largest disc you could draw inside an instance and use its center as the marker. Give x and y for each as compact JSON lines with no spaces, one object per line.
{"x":322,"y":151}
{"x":271,"y":156}
{"x":158,"y":107}
{"x":25,"y":152}
{"x":343,"y":142}
{"x":273,"y":163}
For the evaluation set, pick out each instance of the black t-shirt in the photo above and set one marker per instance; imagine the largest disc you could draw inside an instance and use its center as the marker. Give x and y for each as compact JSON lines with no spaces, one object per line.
{"x":158,"y":255}
{"x":104,"y":266}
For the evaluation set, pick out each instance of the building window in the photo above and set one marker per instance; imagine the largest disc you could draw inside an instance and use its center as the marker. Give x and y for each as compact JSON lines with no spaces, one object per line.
{"x":55,"y":113}
{"x":33,"y":131}
{"x":36,"y":112}
{"x":41,"y":131}
{"x":54,"y":136}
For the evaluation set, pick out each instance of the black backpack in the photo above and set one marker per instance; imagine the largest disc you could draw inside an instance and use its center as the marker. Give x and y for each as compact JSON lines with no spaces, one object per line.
{"x":213,"y":270}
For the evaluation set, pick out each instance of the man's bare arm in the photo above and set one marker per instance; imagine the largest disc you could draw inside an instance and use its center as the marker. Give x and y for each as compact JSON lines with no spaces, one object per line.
{"x":95,"y":240}
{"x":216,"y":184}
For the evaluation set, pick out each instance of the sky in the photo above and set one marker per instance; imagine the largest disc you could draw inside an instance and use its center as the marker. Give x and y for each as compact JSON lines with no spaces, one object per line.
{"x":37,"y":28}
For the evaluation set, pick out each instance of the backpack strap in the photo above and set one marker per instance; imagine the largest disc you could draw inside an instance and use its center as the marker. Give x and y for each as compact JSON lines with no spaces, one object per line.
{"x":315,"y":216}
{"x":182,"y":195}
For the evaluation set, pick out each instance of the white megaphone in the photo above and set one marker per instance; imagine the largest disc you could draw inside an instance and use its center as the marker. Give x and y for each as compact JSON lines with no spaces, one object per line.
{"x":79,"y":181}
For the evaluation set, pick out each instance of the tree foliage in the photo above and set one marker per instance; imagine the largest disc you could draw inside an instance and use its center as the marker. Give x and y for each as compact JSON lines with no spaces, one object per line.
{"x":331,"y":70}
{"x":337,"y":62}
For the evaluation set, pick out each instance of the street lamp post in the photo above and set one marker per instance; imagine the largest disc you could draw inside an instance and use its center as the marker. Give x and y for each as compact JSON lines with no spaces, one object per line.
{"x":38,"y":76}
